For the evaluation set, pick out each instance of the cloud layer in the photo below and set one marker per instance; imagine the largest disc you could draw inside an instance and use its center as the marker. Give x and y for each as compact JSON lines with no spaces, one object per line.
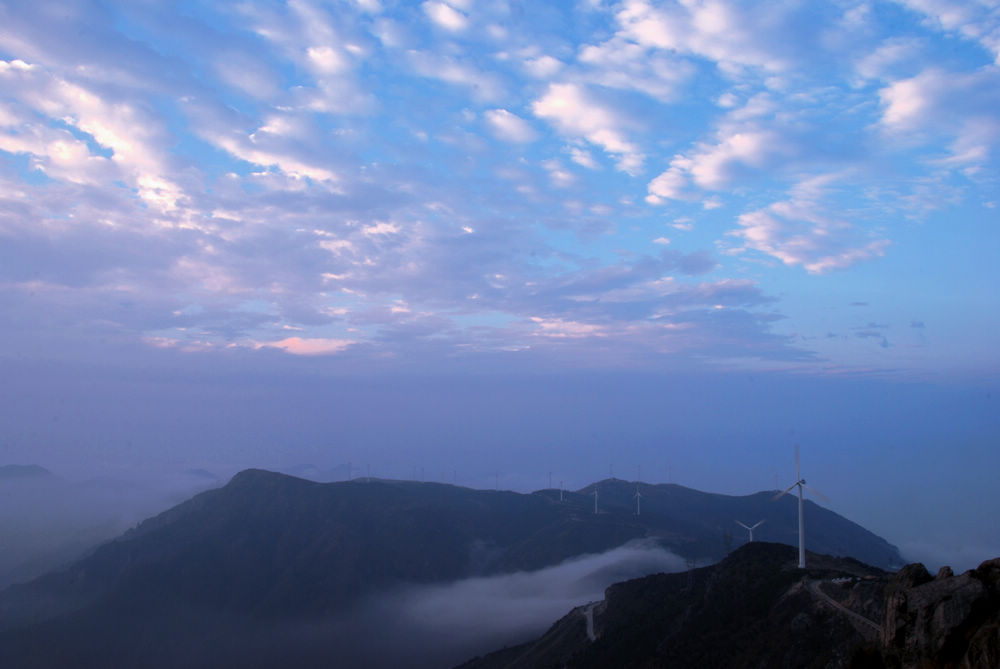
{"x":456,"y":178}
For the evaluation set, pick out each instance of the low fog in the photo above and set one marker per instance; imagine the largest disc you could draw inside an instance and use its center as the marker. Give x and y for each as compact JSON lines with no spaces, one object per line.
{"x":47,"y":521}
{"x":516,"y":606}
{"x":444,"y":625}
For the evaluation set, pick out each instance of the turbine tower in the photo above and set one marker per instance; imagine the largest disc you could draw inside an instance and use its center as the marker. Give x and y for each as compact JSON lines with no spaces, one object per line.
{"x":595,"y":501}
{"x":750,"y":528}
{"x":638,"y":500}
{"x":801,"y":483}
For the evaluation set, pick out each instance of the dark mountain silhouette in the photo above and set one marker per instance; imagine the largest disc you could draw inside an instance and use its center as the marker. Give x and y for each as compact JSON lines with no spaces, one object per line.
{"x":200,"y":584}
{"x":757,"y":609}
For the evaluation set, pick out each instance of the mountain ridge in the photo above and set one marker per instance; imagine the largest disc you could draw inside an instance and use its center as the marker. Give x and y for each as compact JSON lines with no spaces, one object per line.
{"x":269,"y":548}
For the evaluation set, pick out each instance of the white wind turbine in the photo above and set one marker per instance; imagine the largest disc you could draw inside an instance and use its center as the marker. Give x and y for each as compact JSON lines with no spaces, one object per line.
{"x":801,"y":483}
{"x":750,"y":528}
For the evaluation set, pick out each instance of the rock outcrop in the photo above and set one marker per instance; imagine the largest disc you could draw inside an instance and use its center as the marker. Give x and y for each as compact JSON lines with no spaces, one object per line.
{"x":945,"y":621}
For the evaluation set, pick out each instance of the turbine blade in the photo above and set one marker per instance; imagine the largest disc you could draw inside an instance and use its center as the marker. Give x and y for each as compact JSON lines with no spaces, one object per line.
{"x":798,"y":474}
{"x":785,"y":491}
{"x":817,"y":493}
{"x":743,"y":526}
{"x":755,"y":526}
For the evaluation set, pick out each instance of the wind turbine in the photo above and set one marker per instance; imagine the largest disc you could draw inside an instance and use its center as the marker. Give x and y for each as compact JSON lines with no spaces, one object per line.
{"x":801,"y":483}
{"x":638,"y":500}
{"x":560,"y":491}
{"x":595,"y":501}
{"x":750,"y":528}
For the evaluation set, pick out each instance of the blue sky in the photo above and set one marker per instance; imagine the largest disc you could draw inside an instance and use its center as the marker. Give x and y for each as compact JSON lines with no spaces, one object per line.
{"x":522,"y":192}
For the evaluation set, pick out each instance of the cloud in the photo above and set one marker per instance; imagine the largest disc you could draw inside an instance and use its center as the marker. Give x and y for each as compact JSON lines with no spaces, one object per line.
{"x":324,"y":44}
{"x":730,"y":34}
{"x":446,"y":16}
{"x":936,"y":102}
{"x":443,"y":625}
{"x":526,"y":603}
{"x":619,"y":63}
{"x":892,"y":55}
{"x":977,"y":21}
{"x":308,"y":346}
{"x":577,"y":113}
{"x":748,"y":142}
{"x":484,"y":86}
{"x":543,"y":67}
{"x":137,"y":142}
{"x":510,"y":127}
{"x":799,"y":231}
{"x":284,"y":141}
{"x":559,"y":328}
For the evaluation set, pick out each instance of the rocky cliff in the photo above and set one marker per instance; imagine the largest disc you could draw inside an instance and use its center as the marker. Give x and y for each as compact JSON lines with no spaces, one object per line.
{"x":944,"y":621}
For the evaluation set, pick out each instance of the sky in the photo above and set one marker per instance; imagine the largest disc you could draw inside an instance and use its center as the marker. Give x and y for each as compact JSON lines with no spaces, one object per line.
{"x":504,"y":238}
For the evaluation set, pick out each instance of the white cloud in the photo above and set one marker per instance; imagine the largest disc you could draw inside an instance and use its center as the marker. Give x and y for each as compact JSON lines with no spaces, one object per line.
{"x":510,"y":127}
{"x":271,"y":155}
{"x":327,"y":60}
{"x":558,"y":173}
{"x":308,"y":346}
{"x":974,"y":20}
{"x":620,"y":63}
{"x":936,"y":102}
{"x":730,"y":35}
{"x":713,"y":167}
{"x":484,"y":86}
{"x":381,"y":228}
{"x":446,"y":16}
{"x":799,"y":231}
{"x":559,"y":328}
{"x":55,"y":151}
{"x":748,"y":140}
{"x":890,"y":55}
{"x":576,"y":113}
{"x":138,"y":143}
{"x":543,"y":67}
{"x":672,"y":184}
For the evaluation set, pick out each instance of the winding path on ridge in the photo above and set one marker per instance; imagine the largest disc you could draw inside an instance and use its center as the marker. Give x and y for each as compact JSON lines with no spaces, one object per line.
{"x":869,"y":628}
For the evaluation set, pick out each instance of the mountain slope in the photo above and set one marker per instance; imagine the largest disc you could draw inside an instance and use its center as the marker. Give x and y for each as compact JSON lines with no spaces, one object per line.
{"x":750,"y":610}
{"x":756,"y":609}
{"x":191,"y":585}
